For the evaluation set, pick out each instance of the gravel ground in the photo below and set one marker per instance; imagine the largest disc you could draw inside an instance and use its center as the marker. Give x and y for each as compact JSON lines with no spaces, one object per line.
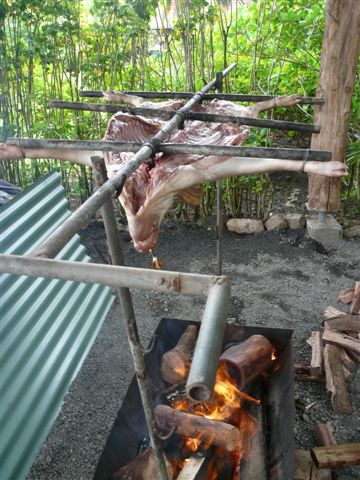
{"x":279,"y":279}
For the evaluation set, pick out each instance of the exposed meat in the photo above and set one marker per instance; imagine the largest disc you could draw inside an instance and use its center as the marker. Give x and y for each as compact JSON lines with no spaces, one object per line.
{"x":149,"y":192}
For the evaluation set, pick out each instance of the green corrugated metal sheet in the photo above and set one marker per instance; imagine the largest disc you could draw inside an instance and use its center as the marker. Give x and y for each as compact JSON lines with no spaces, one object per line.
{"x":47,"y":327}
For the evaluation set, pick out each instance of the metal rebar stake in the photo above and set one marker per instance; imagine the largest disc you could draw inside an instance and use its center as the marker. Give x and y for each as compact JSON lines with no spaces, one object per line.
{"x":219,"y":204}
{"x":129,"y":320}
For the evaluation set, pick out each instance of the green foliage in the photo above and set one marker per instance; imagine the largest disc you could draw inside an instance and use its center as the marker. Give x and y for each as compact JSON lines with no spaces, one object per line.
{"x":52,"y":49}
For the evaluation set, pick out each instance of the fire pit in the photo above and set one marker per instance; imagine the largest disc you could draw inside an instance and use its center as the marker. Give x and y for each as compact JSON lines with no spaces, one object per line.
{"x":270,"y":451}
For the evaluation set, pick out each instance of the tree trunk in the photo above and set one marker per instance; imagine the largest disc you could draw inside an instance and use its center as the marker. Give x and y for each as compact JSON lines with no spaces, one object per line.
{"x":340,"y":51}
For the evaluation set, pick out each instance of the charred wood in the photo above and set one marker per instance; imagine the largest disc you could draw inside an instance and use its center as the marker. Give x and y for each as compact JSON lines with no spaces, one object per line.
{"x":175,"y":363}
{"x":248,"y":359}
{"x":143,"y":467}
{"x":189,"y":425}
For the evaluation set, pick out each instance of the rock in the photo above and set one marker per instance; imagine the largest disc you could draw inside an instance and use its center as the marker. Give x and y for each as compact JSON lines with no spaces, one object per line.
{"x":353,"y":231}
{"x":276,"y":222}
{"x":295,"y":220}
{"x":245,"y":225}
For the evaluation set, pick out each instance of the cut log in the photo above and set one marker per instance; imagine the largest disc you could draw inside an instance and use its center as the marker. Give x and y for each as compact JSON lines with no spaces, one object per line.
{"x":324,"y":438}
{"x":186,"y":424}
{"x":316,"y":366}
{"x":302,"y":374}
{"x":345,"y":323}
{"x":335,"y":379}
{"x":302,"y":465}
{"x":335,"y":456}
{"x":330,"y":336}
{"x":355,"y":304}
{"x":249,"y":359}
{"x":346,"y":295}
{"x":142,"y":467}
{"x":175,"y":363}
{"x":324,"y":435}
{"x":331,"y":312}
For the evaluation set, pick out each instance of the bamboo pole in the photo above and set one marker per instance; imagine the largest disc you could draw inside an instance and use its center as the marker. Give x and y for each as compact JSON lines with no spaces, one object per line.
{"x":209,"y":96}
{"x":93,"y":145}
{"x":203,"y":117}
{"x":129,"y":320}
{"x":82,"y":216}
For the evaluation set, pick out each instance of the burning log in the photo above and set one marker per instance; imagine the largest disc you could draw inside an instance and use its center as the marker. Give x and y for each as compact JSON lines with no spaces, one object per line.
{"x":175,"y":363}
{"x":142,"y":467}
{"x":249,"y":359}
{"x":335,"y":456}
{"x":210,"y":431}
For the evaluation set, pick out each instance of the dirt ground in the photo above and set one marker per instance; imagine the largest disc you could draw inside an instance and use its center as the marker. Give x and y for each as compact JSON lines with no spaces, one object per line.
{"x":279,"y":279}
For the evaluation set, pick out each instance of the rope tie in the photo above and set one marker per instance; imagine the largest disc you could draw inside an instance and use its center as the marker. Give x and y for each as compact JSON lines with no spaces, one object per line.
{"x":183,"y":114}
{"x":21,"y":148}
{"x":154,"y":144}
{"x":306,"y":158}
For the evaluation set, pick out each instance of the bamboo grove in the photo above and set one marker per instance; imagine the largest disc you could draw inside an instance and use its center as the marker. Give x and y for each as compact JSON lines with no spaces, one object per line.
{"x":54,"y":49}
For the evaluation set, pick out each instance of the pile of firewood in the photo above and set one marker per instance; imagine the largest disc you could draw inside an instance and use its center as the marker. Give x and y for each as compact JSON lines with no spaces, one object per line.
{"x":336,"y":349}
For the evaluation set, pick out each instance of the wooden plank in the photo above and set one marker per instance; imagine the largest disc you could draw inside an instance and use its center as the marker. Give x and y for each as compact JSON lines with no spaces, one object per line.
{"x":192,"y":468}
{"x":337,"y":77}
{"x":335,"y":456}
{"x":355,"y":304}
{"x":316,"y":365}
{"x":330,"y":336}
{"x":335,"y":379}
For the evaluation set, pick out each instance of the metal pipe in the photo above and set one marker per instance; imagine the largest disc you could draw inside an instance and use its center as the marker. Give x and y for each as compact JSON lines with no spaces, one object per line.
{"x":82,"y":216}
{"x":201,"y":379}
{"x":219,"y":203}
{"x":230,"y":151}
{"x":209,"y":96}
{"x":111,"y":275}
{"x":203,"y":117}
{"x":129,"y":320}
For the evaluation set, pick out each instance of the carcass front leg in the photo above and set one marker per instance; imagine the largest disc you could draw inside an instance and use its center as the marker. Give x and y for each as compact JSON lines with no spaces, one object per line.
{"x":120,"y":97}
{"x":283,"y":101}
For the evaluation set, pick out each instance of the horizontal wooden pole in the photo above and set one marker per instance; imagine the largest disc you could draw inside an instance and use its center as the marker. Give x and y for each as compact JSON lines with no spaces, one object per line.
{"x":237,"y":97}
{"x":113,"y":276}
{"x":93,"y":145}
{"x":335,"y":456}
{"x":203,"y":117}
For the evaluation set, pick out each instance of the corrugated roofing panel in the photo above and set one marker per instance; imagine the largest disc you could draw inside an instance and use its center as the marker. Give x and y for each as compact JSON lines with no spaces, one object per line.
{"x":47,"y":327}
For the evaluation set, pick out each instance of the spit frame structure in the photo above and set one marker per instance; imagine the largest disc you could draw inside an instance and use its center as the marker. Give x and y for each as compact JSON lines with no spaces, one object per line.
{"x":217,"y":289}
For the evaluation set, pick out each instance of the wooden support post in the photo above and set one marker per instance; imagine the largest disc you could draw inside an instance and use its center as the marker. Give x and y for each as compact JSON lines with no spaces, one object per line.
{"x":340,"y":51}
